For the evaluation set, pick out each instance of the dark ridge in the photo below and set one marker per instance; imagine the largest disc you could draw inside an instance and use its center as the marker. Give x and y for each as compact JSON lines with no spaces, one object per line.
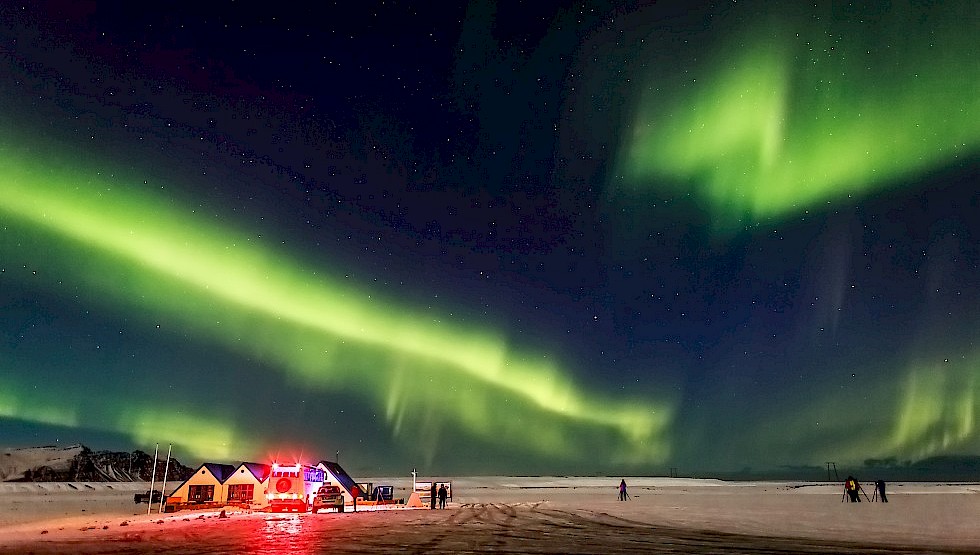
{"x":105,"y":466}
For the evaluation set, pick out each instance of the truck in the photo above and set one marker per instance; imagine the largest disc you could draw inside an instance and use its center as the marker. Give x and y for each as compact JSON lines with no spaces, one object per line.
{"x":383,"y":493}
{"x":293,"y":487}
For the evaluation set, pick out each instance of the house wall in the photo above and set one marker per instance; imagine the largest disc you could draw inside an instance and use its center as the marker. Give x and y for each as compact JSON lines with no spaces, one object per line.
{"x":201,"y":477}
{"x":243,"y":475}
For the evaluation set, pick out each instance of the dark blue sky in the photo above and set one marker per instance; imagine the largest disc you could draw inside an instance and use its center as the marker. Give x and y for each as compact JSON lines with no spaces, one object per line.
{"x":492,"y":238}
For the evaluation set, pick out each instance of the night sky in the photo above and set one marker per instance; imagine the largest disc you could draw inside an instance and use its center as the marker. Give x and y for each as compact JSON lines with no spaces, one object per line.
{"x":505,"y":238}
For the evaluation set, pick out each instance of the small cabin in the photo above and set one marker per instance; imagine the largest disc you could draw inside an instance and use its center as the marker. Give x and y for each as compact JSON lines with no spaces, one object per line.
{"x":246,"y":485}
{"x":204,"y":487}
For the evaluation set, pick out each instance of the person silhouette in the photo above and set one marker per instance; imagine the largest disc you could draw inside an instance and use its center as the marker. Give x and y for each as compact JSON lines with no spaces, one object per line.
{"x":622,"y":491}
{"x":443,"y":493}
{"x":853,"y":489}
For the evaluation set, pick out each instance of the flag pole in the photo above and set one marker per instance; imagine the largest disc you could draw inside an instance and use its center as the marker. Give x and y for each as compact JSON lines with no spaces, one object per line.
{"x":163,"y":490}
{"x":153,"y":476}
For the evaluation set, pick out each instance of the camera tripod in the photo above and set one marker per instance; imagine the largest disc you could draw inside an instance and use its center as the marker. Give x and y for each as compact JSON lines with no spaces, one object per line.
{"x":879,"y":486}
{"x":861,"y":490}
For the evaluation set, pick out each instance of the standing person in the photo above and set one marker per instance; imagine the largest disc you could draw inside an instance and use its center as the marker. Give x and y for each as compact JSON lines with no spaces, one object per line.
{"x":880,"y":486}
{"x":443,"y":493}
{"x":432,"y":496}
{"x":853,"y":488}
{"x":622,"y":490}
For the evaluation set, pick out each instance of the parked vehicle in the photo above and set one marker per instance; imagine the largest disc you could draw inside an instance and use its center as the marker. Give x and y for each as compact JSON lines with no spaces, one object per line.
{"x":327,"y":497}
{"x":293,"y":487}
{"x":146,"y":496}
{"x":383,"y":493}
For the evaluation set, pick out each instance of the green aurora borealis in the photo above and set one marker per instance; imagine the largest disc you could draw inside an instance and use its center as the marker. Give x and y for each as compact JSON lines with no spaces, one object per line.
{"x":793,"y":113}
{"x":148,"y":258}
{"x":775,"y":261}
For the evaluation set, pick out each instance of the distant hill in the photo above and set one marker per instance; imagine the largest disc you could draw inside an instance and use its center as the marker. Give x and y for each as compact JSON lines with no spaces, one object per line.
{"x":77,"y":463}
{"x":944,"y":468}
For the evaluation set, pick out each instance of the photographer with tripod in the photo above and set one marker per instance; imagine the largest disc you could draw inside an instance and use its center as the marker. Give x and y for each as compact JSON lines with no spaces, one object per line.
{"x":853,"y":490}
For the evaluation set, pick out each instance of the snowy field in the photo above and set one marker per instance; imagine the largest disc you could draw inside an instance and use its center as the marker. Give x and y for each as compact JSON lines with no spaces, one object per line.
{"x":515,"y":515}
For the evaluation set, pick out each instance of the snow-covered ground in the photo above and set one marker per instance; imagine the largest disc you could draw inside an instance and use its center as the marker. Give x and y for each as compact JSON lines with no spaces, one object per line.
{"x":522,"y":515}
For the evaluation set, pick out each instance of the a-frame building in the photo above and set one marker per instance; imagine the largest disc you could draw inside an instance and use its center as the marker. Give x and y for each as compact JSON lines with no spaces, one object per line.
{"x":205,"y":486}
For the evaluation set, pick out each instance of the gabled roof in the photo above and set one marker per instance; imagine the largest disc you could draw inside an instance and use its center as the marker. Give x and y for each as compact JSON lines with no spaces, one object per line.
{"x":345,"y":480}
{"x":220,"y":471}
{"x":259,"y":470}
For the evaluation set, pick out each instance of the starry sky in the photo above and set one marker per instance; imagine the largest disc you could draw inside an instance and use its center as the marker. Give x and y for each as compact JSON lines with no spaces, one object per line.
{"x":493,"y":238}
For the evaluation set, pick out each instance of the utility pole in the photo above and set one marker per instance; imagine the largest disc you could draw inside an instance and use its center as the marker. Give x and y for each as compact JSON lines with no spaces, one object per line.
{"x":153,"y":477}
{"x":834,"y":466}
{"x":163,"y":490}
